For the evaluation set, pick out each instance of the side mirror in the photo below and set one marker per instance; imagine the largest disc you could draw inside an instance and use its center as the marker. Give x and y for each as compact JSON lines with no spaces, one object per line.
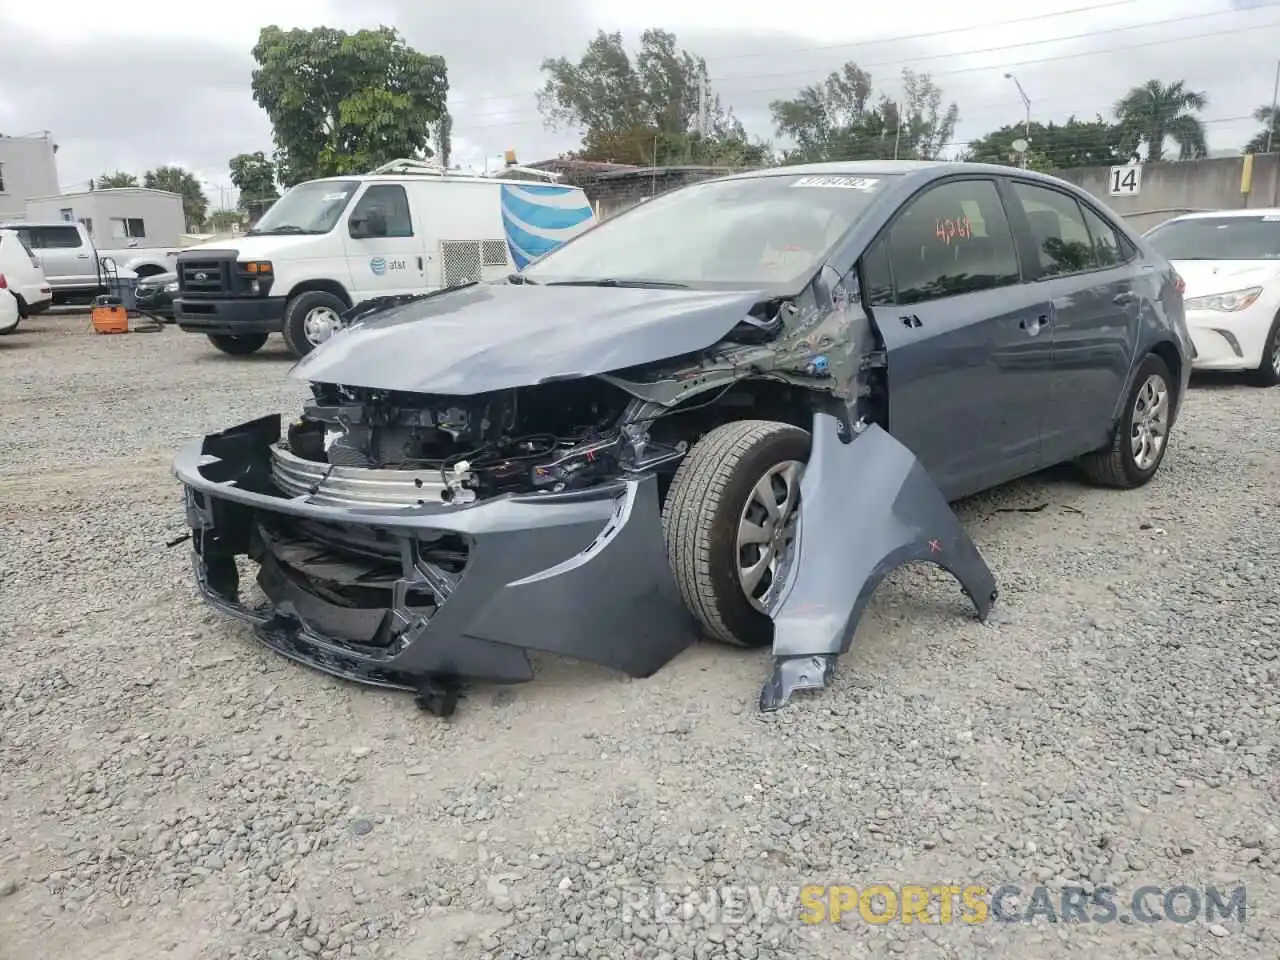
{"x":372,"y":224}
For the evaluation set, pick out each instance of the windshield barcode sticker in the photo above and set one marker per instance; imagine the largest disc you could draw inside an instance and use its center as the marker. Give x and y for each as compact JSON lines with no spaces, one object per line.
{"x":845,"y":183}
{"x":334,"y":196}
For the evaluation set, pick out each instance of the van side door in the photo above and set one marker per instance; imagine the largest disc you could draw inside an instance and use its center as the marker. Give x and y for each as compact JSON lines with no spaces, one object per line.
{"x":383,"y":250}
{"x":968,"y":343}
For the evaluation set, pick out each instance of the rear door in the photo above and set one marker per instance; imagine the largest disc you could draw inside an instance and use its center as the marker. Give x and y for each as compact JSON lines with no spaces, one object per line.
{"x":1079,"y":264}
{"x":392,"y":262}
{"x":969,"y":344}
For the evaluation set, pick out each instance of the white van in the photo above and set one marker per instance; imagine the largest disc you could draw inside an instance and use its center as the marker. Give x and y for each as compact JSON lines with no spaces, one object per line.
{"x":328,"y":245}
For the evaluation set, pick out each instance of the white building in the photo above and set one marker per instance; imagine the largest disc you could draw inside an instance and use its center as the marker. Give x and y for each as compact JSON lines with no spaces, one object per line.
{"x":27,"y":169}
{"x":116,"y":218}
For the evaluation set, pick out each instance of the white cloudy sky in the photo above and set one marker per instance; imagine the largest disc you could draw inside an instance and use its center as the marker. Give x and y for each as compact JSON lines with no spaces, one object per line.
{"x":132,"y":86}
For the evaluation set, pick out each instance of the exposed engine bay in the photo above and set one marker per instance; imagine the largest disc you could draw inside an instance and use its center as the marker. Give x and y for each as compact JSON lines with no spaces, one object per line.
{"x":356,"y":445}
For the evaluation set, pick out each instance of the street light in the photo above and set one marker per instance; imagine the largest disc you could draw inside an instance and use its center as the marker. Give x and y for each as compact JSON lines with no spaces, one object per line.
{"x":1026,"y":103}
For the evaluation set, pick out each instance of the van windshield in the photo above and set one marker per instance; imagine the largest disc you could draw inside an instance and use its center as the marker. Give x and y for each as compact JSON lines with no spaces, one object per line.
{"x":312,"y":207}
{"x":765,"y":231}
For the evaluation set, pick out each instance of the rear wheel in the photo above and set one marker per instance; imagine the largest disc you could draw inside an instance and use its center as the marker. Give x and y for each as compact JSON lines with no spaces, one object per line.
{"x":310,"y":319}
{"x":730,"y":522}
{"x":1141,"y":437}
{"x":238,"y":346}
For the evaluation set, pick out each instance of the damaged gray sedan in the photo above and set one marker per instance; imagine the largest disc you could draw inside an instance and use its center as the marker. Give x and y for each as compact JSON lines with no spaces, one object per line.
{"x":729,"y":411}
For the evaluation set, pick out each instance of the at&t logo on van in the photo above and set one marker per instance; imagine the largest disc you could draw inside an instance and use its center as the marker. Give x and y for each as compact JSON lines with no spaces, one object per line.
{"x":378,"y":265}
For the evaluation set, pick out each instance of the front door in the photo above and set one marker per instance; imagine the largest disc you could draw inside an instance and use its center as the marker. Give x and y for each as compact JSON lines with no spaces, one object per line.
{"x":1095,"y":315}
{"x":384,"y":244}
{"x":969,"y":344}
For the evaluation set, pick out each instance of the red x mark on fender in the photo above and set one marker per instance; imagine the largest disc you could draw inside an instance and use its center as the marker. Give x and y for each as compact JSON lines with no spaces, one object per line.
{"x":935,"y":546}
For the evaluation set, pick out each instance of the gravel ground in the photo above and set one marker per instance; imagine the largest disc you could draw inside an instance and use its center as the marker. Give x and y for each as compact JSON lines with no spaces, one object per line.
{"x":169,"y":789}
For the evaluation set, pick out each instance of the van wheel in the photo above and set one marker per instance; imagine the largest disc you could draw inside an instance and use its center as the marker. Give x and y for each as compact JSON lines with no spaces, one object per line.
{"x":310,"y":319}
{"x":238,"y":346}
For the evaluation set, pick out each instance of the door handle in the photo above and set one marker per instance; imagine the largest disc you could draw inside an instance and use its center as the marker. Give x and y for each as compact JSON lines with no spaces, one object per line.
{"x":419,"y":263}
{"x":82,"y":256}
{"x":911,"y":320}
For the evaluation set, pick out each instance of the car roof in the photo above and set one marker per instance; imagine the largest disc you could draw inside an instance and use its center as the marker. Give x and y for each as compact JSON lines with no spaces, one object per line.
{"x":917,"y":169}
{"x":1229,"y":213}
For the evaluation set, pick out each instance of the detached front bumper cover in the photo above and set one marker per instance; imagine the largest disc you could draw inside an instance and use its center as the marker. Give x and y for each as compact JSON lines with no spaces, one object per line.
{"x":582,"y":574}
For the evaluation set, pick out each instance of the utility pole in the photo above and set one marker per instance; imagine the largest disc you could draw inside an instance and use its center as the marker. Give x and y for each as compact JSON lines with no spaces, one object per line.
{"x":1271,"y":121}
{"x":1026,"y":103}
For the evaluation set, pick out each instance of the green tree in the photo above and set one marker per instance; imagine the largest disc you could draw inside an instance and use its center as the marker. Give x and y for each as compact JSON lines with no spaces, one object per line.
{"x":841,"y":119}
{"x":1157,"y":112}
{"x":1054,"y":146}
{"x":195,"y":205}
{"x":110,"y":181}
{"x":643,"y":110}
{"x":255,"y":177}
{"x":1269,"y":135}
{"x":444,"y":139}
{"x":346,"y":102}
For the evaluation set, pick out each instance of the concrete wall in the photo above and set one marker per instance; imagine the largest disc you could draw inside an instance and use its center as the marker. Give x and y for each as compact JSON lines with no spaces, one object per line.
{"x":160,"y":213}
{"x":27,"y":169}
{"x":1170,"y":189}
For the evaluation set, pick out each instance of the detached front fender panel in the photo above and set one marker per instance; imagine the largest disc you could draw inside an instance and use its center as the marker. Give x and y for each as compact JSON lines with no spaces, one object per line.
{"x":869,"y":507}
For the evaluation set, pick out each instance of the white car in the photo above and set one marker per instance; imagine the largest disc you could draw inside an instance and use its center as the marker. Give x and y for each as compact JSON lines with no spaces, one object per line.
{"x":8,"y":312}
{"x":1230,"y":261}
{"x":23,"y":275}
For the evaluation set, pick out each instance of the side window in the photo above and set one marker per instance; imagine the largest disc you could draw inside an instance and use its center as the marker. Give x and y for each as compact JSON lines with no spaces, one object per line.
{"x":952,"y":239}
{"x":54,"y":238}
{"x":392,"y":202}
{"x":1107,"y":248}
{"x":1057,"y":230}
{"x":877,"y":277}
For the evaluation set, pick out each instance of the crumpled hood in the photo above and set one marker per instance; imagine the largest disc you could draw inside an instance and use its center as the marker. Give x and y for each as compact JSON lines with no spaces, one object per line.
{"x":497,"y":336}
{"x":1208,"y":277}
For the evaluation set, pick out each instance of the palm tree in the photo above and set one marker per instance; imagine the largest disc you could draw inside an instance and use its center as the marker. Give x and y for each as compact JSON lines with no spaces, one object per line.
{"x":1155,"y":112}
{"x":1269,"y":136}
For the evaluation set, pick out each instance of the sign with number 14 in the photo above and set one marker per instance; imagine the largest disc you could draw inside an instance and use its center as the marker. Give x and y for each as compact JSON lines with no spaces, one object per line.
{"x":1126,"y":181}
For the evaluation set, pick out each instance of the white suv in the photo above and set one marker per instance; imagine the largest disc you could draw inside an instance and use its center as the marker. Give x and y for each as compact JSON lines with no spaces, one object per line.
{"x":22,"y":275}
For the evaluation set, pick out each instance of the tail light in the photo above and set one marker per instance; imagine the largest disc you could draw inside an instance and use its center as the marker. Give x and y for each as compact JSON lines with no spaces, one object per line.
{"x":3,"y":282}
{"x":1179,"y":285}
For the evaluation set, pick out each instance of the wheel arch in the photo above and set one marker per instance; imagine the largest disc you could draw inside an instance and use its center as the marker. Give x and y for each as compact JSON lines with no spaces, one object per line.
{"x":321,"y":285}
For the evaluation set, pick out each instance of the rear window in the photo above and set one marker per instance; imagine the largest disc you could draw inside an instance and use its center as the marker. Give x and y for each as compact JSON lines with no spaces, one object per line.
{"x":1218,"y":238}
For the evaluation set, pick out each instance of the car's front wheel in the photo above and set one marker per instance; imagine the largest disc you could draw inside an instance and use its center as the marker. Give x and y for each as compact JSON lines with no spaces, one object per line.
{"x":238,"y":346}
{"x":1141,"y":438}
{"x":1268,"y":372}
{"x":730,"y":522}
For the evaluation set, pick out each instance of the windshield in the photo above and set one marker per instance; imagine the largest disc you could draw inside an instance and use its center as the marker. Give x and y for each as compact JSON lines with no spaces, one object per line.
{"x":307,"y":208}
{"x":769,"y":231}
{"x":1218,"y":238}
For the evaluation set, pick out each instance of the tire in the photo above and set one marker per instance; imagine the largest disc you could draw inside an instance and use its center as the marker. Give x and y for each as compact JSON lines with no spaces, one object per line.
{"x":296,"y":313}
{"x":240,"y":346}
{"x":1268,"y":372}
{"x":1116,"y":465}
{"x":701,"y":517}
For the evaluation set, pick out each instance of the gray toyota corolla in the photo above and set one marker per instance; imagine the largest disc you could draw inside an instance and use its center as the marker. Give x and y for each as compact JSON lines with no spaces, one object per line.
{"x":729,"y":411}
